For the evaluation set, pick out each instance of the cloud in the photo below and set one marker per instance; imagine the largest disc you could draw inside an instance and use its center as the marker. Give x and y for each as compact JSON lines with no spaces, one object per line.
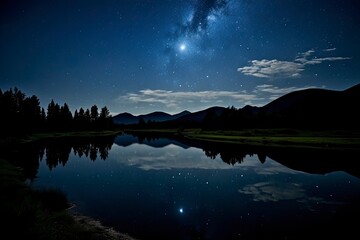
{"x":320,"y":60}
{"x":148,"y":100}
{"x":329,"y":49}
{"x":272,"y":69}
{"x":285,"y":69}
{"x":267,"y":88}
{"x":184,"y":100}
{"x":271,"y":92}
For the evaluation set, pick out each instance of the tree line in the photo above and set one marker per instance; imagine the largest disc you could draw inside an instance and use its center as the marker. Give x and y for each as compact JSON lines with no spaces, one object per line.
{"x":21,"y":114}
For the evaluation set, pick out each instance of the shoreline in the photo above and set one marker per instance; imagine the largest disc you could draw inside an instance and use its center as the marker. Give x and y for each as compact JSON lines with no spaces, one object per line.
{"x":49,"y":221}
{"x":96,"y":228}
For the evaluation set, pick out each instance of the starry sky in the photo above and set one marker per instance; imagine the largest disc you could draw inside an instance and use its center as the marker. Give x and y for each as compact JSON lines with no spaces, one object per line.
{"x":140,"y":56}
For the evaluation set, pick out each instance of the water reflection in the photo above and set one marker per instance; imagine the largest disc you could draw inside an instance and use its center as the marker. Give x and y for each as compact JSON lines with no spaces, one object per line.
{"x":174,"y":188}
{"x":316,"y":161}
{"x":57,"y":151}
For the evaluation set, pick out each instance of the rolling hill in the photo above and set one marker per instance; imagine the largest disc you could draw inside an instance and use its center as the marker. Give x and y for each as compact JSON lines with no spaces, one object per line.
{"x":309,"y":108}
{"x":127,"y":118}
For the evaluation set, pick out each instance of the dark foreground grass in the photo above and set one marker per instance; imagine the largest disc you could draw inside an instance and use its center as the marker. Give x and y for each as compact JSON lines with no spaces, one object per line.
{"x":42,"y":214}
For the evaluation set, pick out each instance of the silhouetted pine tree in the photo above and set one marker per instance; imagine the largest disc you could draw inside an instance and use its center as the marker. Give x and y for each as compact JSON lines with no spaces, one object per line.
{"x":66,"y":117}
{"x":105,"y":119}
{"x":19,"y":114}
{"x":53,"y":116}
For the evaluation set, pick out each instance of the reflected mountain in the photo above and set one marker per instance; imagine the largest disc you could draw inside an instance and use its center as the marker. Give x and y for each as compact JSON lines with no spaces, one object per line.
{"x":317,"y":161}
{"x":57,"y":151}
{"x":153,"y":140}
{"x":313,"y":161}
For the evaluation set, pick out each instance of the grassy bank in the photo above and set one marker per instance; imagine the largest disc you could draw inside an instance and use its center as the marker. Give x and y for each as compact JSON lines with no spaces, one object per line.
{"x":33,"y":214}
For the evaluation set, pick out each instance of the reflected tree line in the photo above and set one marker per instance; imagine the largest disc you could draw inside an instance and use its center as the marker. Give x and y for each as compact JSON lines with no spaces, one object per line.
{"x":314,"y":161}
{"x":231,"y":154}
{"x":57,"y":153}
{"x":228,"y":153}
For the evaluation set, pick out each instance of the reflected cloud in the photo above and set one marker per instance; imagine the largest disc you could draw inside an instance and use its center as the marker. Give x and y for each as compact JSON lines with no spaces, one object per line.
{"x":271,"y":192}
{"x":173,"y":157}
{"x":275,"y":192}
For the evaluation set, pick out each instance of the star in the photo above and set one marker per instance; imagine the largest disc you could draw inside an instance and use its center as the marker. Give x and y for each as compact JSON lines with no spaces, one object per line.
{"x":181,"y":210}
{"x":182,"y":47}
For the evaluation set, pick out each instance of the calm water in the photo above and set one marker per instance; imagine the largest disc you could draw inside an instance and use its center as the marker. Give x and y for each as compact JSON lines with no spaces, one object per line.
{"x":169,"y":189}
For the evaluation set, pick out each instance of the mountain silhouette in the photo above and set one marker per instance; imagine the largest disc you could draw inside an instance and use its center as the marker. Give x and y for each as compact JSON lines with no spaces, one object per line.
{"x":127,"y":118}
{"x":200,"y":115}
{"x":309,"y":108}
{"x":317,"y":108}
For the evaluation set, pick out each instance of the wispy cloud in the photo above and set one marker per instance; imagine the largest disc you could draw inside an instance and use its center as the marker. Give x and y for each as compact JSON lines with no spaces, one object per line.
{"x":267,"y":88}
{"x":174,"y":101}
{"x":272,"y":69}
{"x":285,"y":69}
{"x":329,"y":49}
{"x":180,"y":100}
{"x":271,"y":92}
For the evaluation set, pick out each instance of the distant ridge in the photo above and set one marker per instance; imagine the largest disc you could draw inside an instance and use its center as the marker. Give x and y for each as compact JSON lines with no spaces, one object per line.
{"x":308,"y":108}
{"x":318,"y":107}
{"x":200,"y":115}
{"x":127,"y":118}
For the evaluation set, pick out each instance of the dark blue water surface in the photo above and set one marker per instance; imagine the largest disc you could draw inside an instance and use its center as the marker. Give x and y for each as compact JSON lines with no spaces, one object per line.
{"x":164,"y":189}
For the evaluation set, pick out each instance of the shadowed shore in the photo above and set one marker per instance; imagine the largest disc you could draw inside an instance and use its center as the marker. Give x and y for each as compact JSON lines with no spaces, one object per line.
{"x":43,"y":214}
{"x":98,"y":230}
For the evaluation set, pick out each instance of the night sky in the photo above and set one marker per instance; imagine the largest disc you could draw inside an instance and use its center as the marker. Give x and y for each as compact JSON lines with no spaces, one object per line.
{"x":171,"y":55}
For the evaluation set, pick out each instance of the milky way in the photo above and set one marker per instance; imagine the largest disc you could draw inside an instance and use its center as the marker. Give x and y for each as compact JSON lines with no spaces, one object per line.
{"x":143,"y":56}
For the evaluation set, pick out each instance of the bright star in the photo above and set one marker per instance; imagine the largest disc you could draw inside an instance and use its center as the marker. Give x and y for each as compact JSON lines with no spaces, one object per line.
{"x":181,"y":210}
{"x":182,"y":47}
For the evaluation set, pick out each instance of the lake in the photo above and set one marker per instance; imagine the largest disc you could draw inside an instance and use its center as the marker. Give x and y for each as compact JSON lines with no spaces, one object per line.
{"x":169,"y":188}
